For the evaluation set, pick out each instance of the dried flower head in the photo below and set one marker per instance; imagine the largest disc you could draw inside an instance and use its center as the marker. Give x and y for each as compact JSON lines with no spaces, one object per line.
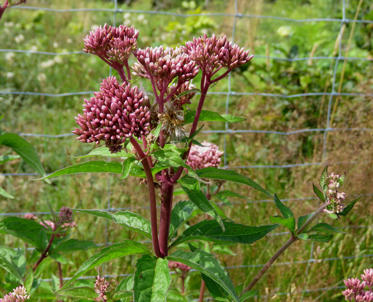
{"x":163,"y":65}
{"x":112,"y":44}
{"x":19,"y":294}
{"x":101,"y":288}
{"x":213,"y":53}
{"x":334,"y":198}
{"x":115,"y":113}
{"x":172,"y":122}
{"x":207,"y":155}
{"x":65,"y":215}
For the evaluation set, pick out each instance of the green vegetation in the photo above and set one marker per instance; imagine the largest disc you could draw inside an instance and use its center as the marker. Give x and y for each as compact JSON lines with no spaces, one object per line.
{"x":347,"y":151}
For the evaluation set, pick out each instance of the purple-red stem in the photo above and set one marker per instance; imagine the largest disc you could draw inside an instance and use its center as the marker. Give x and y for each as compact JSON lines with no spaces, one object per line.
{"x":60,"y":273}
{"x":152,"y":196}
{"x":202,"y":291}
{"x":3,"y":8}
{"x":128,"y":70}
{"x":165,"y":219}
{"x":45,"y":253}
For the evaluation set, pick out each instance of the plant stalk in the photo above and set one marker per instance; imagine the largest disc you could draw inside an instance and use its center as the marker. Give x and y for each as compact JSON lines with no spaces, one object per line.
{"x":44,"y":254}
{"x":202,"y":291}
{"x":152,"y":196}
{"x":288,"y":243}
{"x":60,"y":273}
{"x":165,"y":219}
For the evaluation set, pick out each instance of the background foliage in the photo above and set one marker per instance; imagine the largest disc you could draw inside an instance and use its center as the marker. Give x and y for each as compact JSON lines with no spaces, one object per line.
{"x":348,"y":152}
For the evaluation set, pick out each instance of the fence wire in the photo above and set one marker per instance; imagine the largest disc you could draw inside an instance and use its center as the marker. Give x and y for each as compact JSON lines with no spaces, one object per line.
{"x":226,"y":131}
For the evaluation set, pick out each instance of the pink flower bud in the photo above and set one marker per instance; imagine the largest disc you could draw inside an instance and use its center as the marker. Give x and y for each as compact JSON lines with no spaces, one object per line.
{"x":178,"y":265}
{"x":207,"y":155}
{"x":19,"y":294}
{"x":101,"y":288}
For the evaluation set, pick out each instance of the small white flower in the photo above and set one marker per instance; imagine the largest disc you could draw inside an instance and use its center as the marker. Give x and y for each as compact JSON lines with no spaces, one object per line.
{"x":47,"y":64}
{"x":55,"y":44}
{"x":126,"y":16}
{"x":19,"y":38}
{"x":33,"y":48}
{"x":42,"y":77}
{"x":10,"y":75}
{"x":9,"y":56}
{"x":284,"y":31}
{"x":8,"y":24}
{"x":58,"y":59}
{"x":69,"y":41}
{"x":140,"y":17}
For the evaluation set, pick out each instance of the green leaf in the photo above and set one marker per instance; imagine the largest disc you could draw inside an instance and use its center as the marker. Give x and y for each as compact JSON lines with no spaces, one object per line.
{"x":323,"y":179}
{"x":247,"y":295}
{"x":223,"y":195}
{"x":126,"y":167}
{"x":152,"y":279}
{"x":211,"y":116}
{"x":181,"y":212}
{"x":5,"y":194}
{"x":6,"y":158}
{"x":285,"y":211}
{"x":72,"y":245}
{"x":303,"y":236}
{"x":303,"y":219}
{"x":10,"y":267}
{"x":88,"y":167}
{"x":222,"y":174}
{"x":318,"y":193}
{"x":26,"y":229}
{"x":207,"y":265}
{"x":324,"y":228}
{"x":105,"y":152}
{"x":320,"y":237}
{"x":349,"y":207}
{"x":127,"y":219}
{"x":215,"y":289}
{"x":288,"y":223}
{"x":170,"y":155}
{"x":201,"y":201}
{"x":78,"y":292}
{"x":210,"y":230}
{"x":24,"y":149}
{"x":118,"y":250}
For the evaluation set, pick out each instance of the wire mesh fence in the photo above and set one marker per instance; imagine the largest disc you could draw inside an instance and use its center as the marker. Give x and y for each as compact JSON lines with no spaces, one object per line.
{"x":228,"y":94}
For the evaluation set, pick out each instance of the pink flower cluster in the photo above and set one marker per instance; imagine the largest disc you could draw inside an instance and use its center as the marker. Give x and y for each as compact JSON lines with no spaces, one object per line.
{"x":114,"y":45}
{"x":163,"y":65}
{"x":19,"y":294}
{"x":178,"y":265}
{"x":101,"y":288}
{"x":334,"y":197}
{"x":207,"y":155}
{"x":213,"y":53}
{"x":115,"y":113}
{"x":360,"y":291}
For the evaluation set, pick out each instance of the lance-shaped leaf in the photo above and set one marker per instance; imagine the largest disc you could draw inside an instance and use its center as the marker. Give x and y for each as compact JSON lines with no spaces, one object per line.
{"x":201,"y":201}
{"x":318,"y":193}
{"x":72,"y":245}
{"x":24,"y":149}
{"x":206,"y":264}
{"x":229,"y":175}
{"x":349,"y":207}
{"x":88,"y":167}
{"x":210,"y":230}
{"x":288,"y":219}
{"x":118,"y":250}
{"x":105,"y":152}
{"x":10,"y":267}
{"x":78,"y":292}
{"x":181,"y":212}
{"x":127,"y":219}
{"x":211,"y":116}
{"x":5,"y":194}
{"x":152,"y":279}
{"x":28,"y":230}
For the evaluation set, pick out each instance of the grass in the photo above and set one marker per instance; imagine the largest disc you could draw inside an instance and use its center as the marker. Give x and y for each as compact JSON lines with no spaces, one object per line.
{"x":59,"y":32}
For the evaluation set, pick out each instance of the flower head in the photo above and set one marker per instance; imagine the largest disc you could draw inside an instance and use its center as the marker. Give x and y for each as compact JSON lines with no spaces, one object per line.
{"x":334,"y":198}
{"x":115,"y":113}
{"x":178,"y":265}
{"x":207,"y":155}
{"x":101,"y":288}
{"x":360,"y":291}
{"x":213,"y":53}
{"x":65,"y":215}
{"x":19,"y":294}
{"x":367,"y":277}
{"x":163,"y":65}
{"x":114,"y":44}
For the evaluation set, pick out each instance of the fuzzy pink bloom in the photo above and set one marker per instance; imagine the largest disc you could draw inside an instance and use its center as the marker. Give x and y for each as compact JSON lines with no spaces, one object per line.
{"x":178,"y":265}
{"x":19,"y":294}
{"x":163,"y":65}
{"x":333,"y":196}
{"x":30,"y":216}
{"x":213,"y":53}
{"x":207,"y":155}
{"x":115,"y":113}
{"x":101,"y":288}
{"x":113,"y":44}
{"x":49,"y":225}
{"x":367,"y":277}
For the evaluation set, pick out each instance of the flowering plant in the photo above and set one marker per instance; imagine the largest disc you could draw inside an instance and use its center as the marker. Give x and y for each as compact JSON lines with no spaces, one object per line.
{"x":153,"y":136}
